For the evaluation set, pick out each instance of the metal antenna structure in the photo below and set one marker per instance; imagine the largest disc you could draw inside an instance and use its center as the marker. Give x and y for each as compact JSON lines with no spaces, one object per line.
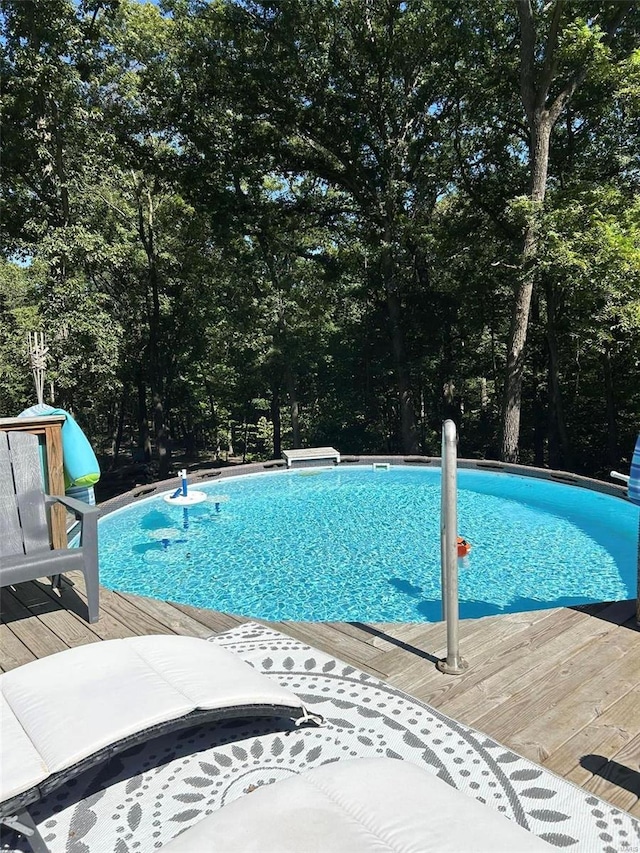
{"x":38,"y":355}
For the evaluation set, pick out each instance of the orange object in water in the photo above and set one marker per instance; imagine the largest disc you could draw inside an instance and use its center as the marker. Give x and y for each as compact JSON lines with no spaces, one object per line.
{"x":464,"y":547}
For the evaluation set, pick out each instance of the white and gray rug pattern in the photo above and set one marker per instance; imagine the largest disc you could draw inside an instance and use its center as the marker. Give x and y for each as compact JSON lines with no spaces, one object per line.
{"x":141,"y":799}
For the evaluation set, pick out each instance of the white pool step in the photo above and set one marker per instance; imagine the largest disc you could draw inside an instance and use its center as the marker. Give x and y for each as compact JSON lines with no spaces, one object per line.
{"x":302,"y":456}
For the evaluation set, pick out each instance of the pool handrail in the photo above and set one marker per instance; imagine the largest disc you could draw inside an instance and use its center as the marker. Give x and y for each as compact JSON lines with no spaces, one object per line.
{"x":453,"y":664}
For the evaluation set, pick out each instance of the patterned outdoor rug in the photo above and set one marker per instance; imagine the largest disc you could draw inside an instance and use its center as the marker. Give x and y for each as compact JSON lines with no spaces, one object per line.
{"x":144,"y":797}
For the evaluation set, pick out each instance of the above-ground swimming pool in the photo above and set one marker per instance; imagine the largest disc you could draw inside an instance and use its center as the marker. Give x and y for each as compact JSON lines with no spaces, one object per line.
{"x":358,"y":544}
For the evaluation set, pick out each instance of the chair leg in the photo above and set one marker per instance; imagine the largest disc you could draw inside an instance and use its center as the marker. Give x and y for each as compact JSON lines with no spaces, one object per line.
{"x":89,"y":545}
{"x":23,"y":824}
{"x":92,"y":584}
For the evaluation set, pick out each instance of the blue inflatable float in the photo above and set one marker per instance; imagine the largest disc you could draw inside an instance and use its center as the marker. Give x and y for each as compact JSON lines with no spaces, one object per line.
{"x":80,"y":464}
{"x":634,"y":478}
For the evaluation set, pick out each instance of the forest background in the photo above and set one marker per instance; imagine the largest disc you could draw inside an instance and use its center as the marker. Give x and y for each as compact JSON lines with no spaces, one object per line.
{"x":247,"y":226}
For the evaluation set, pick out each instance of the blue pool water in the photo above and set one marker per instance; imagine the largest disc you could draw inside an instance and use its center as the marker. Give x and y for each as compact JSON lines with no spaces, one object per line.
{"x":357,"y":544}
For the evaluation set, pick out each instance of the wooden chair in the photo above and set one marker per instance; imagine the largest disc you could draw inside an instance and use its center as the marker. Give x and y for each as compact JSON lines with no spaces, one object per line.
{"x":25,"y":545}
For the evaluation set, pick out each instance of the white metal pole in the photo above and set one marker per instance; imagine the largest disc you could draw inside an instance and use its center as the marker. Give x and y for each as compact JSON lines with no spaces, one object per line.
{"x":453,"y":664}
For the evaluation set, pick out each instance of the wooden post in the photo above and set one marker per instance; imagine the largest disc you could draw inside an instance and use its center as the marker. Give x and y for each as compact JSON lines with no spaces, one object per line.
{"x":48,"y":428}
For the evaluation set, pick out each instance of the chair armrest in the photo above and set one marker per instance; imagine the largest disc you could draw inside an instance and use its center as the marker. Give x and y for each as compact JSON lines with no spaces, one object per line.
{"x":88,"y":516}
{"x":79,"y":508}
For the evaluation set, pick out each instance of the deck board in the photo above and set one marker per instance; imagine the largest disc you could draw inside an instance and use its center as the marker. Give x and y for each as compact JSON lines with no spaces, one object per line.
{"x":126,"y":611}
{"x":70,"y":628}
{"x":216,"y":622}
{"x":496,"y":673}
{"x":505,"y":674}
{"x":561,"y":687}
{"x":39,"y":639}
{"x":171,"y":617}
{"x":577,"y":708}
{"x":616,"y":781}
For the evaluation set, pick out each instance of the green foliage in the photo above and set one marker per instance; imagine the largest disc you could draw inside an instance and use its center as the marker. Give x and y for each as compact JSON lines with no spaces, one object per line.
{"x":18,"y":309}
{"x":219,"y":206}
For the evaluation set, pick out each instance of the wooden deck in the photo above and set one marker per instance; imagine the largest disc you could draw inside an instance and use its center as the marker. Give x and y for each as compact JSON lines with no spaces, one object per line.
{"x":561,"y":687}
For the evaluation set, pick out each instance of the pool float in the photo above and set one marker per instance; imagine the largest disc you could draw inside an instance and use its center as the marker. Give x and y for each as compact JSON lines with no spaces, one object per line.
{"x":634,"y":476}
{"x":79,"y":461}
{"x":182,"y":496}
{"x":464,"y":547}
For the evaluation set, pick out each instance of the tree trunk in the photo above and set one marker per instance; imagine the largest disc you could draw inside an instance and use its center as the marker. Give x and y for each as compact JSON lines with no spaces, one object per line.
{"x":163,"y":450}
{"x":408,"y":433}
{"x":539,"y":429}
{"x":560,"y":455}
{"x":538,"y":78}
{"x":538,"y":397}
{"x":117,"y":440}
{"x":144,"y":439}
{"x":214,"y":424}
{"x":540,"y":137}
{"x":62,"y":214}
{"x":290,"y":381}
{"x":277,"y":425}
{"x":610,"y":399}
{"x":63,"y":187}
{"x":157,"y":364}
{"x":189,"y":437}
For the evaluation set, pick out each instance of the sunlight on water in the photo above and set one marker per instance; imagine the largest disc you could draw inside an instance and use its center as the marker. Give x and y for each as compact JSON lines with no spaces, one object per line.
{"x":357,"y":544}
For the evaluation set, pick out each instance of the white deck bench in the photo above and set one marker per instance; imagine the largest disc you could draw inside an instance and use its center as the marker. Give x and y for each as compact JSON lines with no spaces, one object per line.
{"x":311,"y":455}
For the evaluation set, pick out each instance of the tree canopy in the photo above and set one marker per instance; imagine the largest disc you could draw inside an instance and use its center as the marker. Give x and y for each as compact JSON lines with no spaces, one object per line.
{"x":244,"y":226}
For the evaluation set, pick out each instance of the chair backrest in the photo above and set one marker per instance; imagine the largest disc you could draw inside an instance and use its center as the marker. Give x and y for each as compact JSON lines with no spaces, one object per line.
{"x":23,"y":516}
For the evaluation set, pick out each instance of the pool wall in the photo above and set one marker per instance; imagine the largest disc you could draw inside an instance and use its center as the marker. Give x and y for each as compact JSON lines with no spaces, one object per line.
{"x":141,"y":492}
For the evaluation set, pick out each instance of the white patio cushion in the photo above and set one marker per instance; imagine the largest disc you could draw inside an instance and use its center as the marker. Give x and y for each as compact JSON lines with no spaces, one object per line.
{"x":22,"y":766}
{"x":370,"y":805}
{"x":189,"y":664}
{"x":70,"y":705}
